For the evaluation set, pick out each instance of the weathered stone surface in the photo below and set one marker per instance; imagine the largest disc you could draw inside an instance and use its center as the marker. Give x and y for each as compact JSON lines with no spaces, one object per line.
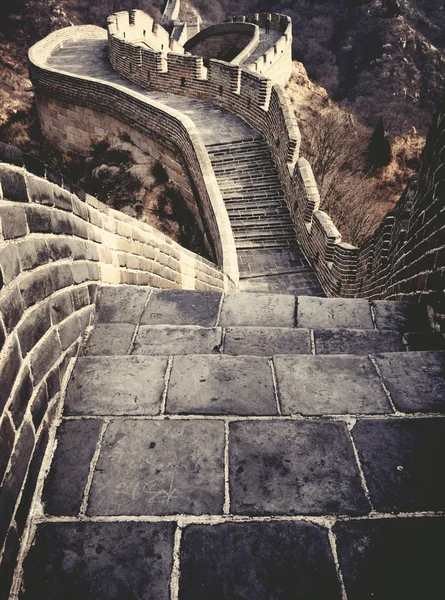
{"x":39,"y":219}
{"x":400,"y":316}
{"x":108,"y":339}
{"x":182,"y":307}
{"x":8,"y":562}
{"x":33,"y":327}
{"x":293,"y":467}
{"x":159,"y":467}
{"x":14,"y":478}
{"x":121,"y":305}
{"x":45,"y":355}
{"x":391,"y":558}
{"x":9,"y":263}
{"x":35,"y":287}
{"x":333,"y":313}
{"x":265,"y":341}
{"x":40,"y":191}
{"x":33,"y":253}
{"x":317,"y":385}
{"x":7,"y":437}
{"x":284,"y":560}
{"x":420,"y":340}
{"x":13,"y":184}
{"x":221,"y":385}
{"x":9,"y":368}
{"x":65,"y":484}
{"x":69,"y":330}
{"x":403,"y":462}
{"x":13,"y":222}
{"x":11,"y":307}
{"x":159,"y":339}
{"x":22,"y":512}
{"x":104,"y":561}
{"x":415,"y":380}
{"x":354,"y":341}
{"x":117,"y":385}
{"x":39,"y":406}
{"x":261,"y":310}
{"x":21,"y":397}
{"x":61,"y":306}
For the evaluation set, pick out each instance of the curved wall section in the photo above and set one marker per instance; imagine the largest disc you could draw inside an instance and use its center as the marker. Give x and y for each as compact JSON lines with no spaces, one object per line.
{"x":56,"y":250}
{"x":238,"y":39}
{"x":146,"y":116}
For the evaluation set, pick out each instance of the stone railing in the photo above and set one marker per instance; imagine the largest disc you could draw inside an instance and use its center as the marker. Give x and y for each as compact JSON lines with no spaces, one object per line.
{"x":145,"y":116}
{"x":57,"y":248}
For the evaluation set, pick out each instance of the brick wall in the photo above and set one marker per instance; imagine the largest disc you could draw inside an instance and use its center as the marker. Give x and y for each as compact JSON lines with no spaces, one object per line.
{"x":56,"y":249}
{"x":405,"y":258}
{"x":145,"y":117}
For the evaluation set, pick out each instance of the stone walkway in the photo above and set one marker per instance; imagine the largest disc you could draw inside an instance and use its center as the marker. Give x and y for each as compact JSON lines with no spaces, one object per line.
{"x":269,"y":256}
{"x":246,"y":446}
{"x":265,"y":42}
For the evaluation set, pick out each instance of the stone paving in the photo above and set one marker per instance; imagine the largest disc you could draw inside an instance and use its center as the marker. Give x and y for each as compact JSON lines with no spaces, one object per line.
{"x":278,"y":447}
{"x":270,"y":259}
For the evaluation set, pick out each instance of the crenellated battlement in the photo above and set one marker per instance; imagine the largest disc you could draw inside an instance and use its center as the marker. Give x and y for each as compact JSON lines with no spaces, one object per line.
{"x":388,"y":265}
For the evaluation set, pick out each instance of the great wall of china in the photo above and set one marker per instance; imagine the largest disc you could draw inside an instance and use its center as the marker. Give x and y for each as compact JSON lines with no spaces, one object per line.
{"x":227,"y":135}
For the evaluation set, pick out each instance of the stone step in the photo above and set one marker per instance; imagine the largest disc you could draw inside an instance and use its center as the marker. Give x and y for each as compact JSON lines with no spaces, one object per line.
{"x":261,"y":221}
{"x":132,"y":305}
{"x":254,"y":201}
{"x":240,"y":146}
{"x":253,"y":231}
{"x":248,"y":213}
{"x":248,"y":157}
{"x":268,"y":244}
{"x":246,"y":177}
{"x":253,"y":168}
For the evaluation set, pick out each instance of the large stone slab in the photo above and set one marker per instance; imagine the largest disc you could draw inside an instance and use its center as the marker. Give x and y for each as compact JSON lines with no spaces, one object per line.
{"x":285,"y":560}
{"x":403,"y":462}
{"x":391,"y":558}
{"x":159,"y":468}
{"x":165,"y":340}
{"x":400,"y":316}
{"x":317,"y":385}
{"x":116,"y":385}
{"x":415,"y":380}
{"x":265,"y":341}
{"x":104,"y":561}
{"x":355,"y":341}
{"x":65,"y":484}
{"x":182,"y":307}
{"x":121,"y":304}
{"x":332,"y":313}
{"x":293,"y":467}
{"x":221,"y":385}
{"x":110,"y":339}
{"x":261,"y":310}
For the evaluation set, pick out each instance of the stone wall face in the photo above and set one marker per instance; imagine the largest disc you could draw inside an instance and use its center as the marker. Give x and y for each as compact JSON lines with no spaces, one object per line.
{"x":75,"y":128}
{"x":56,"y":250}
{"x":146,"y":117}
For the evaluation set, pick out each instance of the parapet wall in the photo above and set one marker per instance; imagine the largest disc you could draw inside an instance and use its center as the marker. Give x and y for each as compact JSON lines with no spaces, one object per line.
{"x":147,"y":117}
{"x":239,"y":39}
{"x":56,"y":249}
{"x":405,"y":258}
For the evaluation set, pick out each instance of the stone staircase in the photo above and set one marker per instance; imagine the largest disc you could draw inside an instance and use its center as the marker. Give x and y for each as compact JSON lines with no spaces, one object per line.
{"x":251,"y":189}
{"x":254,"y":446}
{"x":268,"y":253}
